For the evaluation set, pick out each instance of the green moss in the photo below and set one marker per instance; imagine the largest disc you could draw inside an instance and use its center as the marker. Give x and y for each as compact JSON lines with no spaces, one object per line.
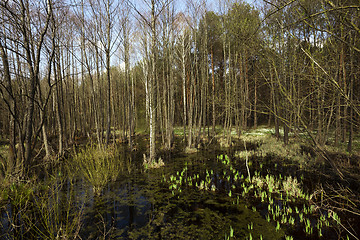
{"x":203,"y":215}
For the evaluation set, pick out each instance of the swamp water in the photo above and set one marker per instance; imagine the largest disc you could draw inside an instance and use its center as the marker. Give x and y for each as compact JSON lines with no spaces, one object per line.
{"x":204,"y":195}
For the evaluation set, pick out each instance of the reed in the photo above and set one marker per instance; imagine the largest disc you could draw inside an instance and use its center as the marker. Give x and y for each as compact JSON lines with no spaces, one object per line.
{"x":98,"y":165}
{"x":55,"y":213}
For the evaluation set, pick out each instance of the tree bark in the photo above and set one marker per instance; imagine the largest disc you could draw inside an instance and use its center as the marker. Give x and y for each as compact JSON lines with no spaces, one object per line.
{"x":152,"y":85}
{"x":213,"y":93}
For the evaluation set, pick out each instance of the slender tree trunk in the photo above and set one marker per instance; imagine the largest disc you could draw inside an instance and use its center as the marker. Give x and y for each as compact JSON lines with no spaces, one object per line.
{"x":345,"y":117}
{"x":255,"y":102}
{"x":246,"y":95}
{"x":171,"y":103}
{"x":242,"y":93}
{"x":237,"y":96}
{"x":191,"y":108}
{"x":162,"y":105}
{"x":82,"y":48}
{"x":184,"y":84}
{"x":152,"y":85}
{"x":11,"y":105}
{"x":129,"y":83}
{"x":351,"y":96}
{"x":275,"y":102}
{"x":58,"y":102}
{"x":338,"y":111}
{"x":108,"y":128}
{"x":213,"y":93}
{"x":48,"y":150}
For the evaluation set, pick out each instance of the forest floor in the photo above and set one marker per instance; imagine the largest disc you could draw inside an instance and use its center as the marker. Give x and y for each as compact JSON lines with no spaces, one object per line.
{"x":268,"y":168}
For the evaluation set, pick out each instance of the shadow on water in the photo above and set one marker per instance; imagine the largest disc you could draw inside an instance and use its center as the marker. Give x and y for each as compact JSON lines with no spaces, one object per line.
{"x":195,"y":196}
{"x":139,"y":205}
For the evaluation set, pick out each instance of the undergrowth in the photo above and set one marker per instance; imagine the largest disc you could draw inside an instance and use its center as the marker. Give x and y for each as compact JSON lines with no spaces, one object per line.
{"x":269,"y":145}
{"x":98,"y":165}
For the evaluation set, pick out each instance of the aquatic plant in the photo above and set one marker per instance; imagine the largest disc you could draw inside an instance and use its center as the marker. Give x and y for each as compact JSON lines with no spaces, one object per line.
{"x":98,"y":165}
{"x":289,"y":238}
{"x":18,"y":198}
{"x":54,"y":214}
{"x":231,"y":234}
{"x":292,"y":187}
{"x":19,"y":194}
{"x":282,"y":195}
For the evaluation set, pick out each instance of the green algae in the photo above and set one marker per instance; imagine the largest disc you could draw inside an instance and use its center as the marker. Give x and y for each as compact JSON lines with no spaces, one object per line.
{"x":202,"y":215}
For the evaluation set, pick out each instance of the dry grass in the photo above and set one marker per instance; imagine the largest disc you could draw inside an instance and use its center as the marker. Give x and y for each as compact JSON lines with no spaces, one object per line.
{"x":152,"y":164}
{"x":269,"y":145}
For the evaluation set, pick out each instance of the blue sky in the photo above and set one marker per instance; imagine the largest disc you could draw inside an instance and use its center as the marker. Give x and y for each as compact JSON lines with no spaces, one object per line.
{"x":211,"y":4}
{"x":181,"y":4}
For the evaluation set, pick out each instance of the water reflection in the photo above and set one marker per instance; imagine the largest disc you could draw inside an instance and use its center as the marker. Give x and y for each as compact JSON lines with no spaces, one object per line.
{"x":137,"y":205}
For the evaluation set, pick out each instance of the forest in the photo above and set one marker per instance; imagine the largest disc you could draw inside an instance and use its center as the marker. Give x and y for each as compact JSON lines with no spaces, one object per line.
{"x":249,"y":106}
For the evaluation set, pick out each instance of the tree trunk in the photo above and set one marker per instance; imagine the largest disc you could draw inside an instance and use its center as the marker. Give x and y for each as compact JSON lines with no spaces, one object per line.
{"x":58,"y":103}
{"x":184,"y":84}
{"x":11,"y":105}
{"x":129,"y":83}
{"x":108,"y":128}
{"x":213,"y":93}
{"x":255,"y":102}
{"x":152,"y":85}
{"x":351,"y":94}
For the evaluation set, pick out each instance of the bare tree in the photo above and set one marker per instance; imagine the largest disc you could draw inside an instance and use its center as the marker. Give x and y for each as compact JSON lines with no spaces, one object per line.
{"x":26,"y":42}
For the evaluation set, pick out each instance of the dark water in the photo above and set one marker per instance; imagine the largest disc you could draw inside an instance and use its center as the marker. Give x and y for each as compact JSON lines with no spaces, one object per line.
{"x":140,"y":204}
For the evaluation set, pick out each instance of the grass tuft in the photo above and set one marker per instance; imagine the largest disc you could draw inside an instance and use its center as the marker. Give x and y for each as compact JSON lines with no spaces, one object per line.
{"x":153,"y":164}
{"x":98,"y":165}
{"x":57,"y":215}
{"x":270,"y":146}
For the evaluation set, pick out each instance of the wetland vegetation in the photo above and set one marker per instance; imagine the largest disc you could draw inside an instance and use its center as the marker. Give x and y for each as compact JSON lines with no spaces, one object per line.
{"x":170,"y":119}
{"x":257,"y":189}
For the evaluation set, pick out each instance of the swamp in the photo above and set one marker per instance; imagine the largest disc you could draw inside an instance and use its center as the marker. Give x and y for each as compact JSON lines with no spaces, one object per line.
{"x":257,"y":189}
{"x":173,"y":119}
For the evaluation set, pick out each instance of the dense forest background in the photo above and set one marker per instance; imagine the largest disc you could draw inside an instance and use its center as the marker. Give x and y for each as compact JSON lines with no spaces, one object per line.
{"x":107,"y":69}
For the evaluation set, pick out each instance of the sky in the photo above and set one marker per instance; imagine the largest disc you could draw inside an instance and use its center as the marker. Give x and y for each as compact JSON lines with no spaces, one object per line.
{"x":211,"y":4}
{"x":181,"y":4}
